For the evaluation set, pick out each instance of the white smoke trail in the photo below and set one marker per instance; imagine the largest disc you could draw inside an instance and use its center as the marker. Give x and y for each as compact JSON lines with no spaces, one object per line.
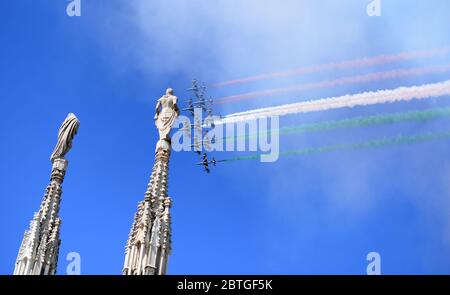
{"x":347,"y":101}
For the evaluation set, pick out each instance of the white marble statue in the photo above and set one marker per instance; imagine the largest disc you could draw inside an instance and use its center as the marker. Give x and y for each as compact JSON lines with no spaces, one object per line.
{"x":66,"y":134}
{"x":166,"y":113}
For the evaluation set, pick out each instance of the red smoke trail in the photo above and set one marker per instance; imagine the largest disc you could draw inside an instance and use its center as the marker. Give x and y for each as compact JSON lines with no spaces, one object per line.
{"x":379,"y":76}
{"x":355,"y":63}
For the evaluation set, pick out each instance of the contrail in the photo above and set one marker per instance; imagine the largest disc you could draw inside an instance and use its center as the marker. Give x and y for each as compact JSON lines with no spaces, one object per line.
{"x":390,"y":141}
{"x":355,"y":63}
{"x":347,"y":101}
{"x":366,"y":121}
{"x":372,"y":77}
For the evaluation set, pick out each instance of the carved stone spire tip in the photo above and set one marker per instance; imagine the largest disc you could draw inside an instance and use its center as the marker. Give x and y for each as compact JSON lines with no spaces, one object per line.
{"x":166,"y":113}
{"x":66,"y":134}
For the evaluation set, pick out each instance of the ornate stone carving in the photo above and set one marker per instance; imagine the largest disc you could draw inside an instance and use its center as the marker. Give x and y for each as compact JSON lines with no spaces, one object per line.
{"x":66,"y":133}
{"x":38,"y":253}
{"x":148,"y":246}
{"x":166,"y":113}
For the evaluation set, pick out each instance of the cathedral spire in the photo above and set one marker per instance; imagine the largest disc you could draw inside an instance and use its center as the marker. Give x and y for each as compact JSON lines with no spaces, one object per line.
{"x":38,"y":253}
{"x":149,"y":242}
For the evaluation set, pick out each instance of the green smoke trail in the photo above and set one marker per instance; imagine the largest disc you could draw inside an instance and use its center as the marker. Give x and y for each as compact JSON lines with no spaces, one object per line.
{"x":390,"y":141}
{"x":418,"y":116}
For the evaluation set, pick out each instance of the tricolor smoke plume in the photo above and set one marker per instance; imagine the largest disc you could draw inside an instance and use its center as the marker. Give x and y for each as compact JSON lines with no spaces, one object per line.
{"x":391,"y":141}
{"x":372,"y":77}
{"x":347,"y":101}
{"x":358,"y":122}
{"x":355,"y":63}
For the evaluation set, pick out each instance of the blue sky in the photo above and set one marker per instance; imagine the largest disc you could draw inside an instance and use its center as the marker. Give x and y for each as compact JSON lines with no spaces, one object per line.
{"x":312,"y":214}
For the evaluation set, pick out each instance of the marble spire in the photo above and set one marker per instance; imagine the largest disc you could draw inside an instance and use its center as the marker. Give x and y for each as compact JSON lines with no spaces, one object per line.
{"x":149,"y":242}
{"x":38,"y":253}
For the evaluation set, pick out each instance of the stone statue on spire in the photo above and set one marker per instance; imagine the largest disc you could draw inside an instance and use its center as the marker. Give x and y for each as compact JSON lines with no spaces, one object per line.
{"x":166,"y":113}
{"x":66,"y":133}
{"x":149,"y":242}
{"x":39,"y":251}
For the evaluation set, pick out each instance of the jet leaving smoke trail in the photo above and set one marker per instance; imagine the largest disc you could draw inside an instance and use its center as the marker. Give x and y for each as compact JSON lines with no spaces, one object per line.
{"x":397,"y":140}
{"x":346,"y":101}
{"x":372,"y":77}
{"x":420,"y":116}
{"x":356,"y":63}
